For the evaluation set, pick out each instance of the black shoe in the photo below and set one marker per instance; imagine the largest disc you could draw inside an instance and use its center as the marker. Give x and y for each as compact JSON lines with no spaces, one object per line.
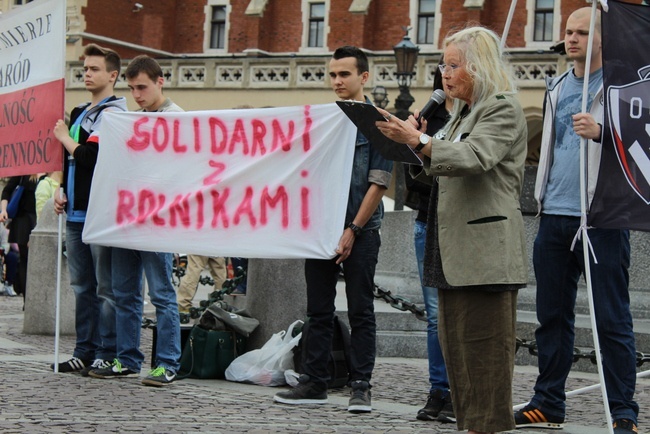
{"x":625,"y":426}
{"x":360,"y":397}
{"x":97,"y":364}
{"x":115,"y":370}
{"x":446,"y":414}
{"x":306,"y":392}
{"x":73,"y":365}
{"x":159,"y":377}
{"x":531,"y":416}
{"x":435,"y":402}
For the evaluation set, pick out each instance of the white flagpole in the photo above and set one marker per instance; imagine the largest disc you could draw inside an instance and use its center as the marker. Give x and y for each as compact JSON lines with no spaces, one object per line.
{"x":583,"y":225}
{"x":59,"y":258}
{"x":506,"y":29}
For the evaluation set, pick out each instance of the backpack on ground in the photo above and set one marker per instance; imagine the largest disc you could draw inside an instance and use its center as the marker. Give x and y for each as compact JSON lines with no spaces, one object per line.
{"x":339,"y":353}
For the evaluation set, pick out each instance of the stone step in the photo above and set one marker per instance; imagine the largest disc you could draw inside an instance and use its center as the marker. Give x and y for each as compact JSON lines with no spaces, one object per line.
{"x":401,"y":334}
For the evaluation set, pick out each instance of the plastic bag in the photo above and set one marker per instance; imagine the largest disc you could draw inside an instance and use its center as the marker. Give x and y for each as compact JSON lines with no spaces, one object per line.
{"x":266,"y":366}
{"x":291,"y":377}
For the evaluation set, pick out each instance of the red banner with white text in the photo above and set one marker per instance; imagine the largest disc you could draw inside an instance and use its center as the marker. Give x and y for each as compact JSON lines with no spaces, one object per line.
{"x":32,"y":87}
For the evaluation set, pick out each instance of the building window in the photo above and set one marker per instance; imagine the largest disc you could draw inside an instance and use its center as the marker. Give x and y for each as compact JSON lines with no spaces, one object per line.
{"x":426,"y":21}
{"x":543,"y":31}
{"x":218,"y":27}
{"x":316,"y":25}
{"x":21,"y":2}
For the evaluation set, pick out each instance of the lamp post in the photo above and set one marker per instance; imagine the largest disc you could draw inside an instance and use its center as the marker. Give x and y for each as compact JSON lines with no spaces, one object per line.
{"x":380,"y":96}
{"x":406,"y":54}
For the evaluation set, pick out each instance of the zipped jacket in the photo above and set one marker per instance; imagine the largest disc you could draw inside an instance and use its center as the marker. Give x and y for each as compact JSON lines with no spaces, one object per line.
{"x":594,"y":149}
{"x":86,"y":153}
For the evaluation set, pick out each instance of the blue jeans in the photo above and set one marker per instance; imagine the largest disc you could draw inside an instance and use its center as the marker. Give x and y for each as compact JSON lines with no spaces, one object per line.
{"x":128,"y":266}
{"x":437,"y":371}
{"x":557,"y":270}
{"x":89,"y":268}
{"x":321,"y":276}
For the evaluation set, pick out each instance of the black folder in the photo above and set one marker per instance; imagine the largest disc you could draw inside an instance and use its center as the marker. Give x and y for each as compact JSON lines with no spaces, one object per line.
{"x":364,"y":116}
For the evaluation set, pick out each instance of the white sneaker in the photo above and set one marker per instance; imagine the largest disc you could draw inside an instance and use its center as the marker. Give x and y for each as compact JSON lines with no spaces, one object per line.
{"x":9,"y":290}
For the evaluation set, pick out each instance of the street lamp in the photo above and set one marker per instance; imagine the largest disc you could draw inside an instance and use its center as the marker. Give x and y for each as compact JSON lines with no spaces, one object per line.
{"x":380,"y":96}
{"x":406,"y":54}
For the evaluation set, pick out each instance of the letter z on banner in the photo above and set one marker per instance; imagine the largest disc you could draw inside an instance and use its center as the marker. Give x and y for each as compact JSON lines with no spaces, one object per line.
{"x":622,"y":195}
{"x":258,"y":183}
{"x":32,"y":87}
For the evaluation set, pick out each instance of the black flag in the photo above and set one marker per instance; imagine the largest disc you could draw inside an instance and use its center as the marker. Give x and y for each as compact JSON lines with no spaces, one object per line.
{"x":622,"y":195}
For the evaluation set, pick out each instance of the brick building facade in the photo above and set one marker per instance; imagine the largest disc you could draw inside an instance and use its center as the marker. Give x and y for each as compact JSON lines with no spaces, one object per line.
{"x":180,"y":27}
{"x":219,"y":54}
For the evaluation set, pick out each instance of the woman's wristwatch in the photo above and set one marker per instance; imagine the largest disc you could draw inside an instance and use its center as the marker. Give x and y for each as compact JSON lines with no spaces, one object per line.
{"x":424,"y":140}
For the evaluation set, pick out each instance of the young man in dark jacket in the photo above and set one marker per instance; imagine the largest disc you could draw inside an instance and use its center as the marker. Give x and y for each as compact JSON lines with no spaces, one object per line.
{"x":89,"y":266}
{"x":357,"y":250}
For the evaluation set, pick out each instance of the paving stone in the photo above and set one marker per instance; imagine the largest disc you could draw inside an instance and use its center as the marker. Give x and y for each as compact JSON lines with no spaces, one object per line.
{"x":36,"y":400}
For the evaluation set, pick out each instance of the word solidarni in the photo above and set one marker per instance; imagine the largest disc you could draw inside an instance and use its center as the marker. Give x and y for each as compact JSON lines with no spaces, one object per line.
{"x":216,"y":208}
{"x":250,"y":137}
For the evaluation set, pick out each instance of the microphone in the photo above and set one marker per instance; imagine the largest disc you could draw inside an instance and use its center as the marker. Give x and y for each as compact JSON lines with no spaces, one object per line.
{"x":437,"y":97}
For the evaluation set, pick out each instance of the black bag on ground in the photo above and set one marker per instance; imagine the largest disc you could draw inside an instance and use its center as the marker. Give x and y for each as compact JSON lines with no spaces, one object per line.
{"x":339,"y":353}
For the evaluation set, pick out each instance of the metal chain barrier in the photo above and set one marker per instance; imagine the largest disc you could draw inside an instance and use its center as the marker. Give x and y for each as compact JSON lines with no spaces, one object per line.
{"x":584,"y":353}
{"x":400,"y":303}
{"x":179,"y":266}
{"x":214,"y":297}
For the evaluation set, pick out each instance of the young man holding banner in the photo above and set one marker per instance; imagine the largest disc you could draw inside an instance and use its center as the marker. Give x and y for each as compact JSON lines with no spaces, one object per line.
{"x":145,"y":79}
{"x":358,"y":249}
{"x":559,"y":263}
{"x":89,"y":265}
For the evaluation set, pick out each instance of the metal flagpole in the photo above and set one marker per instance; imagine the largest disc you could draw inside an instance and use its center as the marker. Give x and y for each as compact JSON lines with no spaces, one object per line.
{"x":586,"y":246}
{"x":59,"y":258}
{"x":506,"y":29}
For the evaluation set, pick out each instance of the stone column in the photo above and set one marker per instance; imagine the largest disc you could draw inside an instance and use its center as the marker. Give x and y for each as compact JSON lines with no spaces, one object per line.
{"x":40,"y":303}
{"x":276,"y":295}
{"x":397,"y":269}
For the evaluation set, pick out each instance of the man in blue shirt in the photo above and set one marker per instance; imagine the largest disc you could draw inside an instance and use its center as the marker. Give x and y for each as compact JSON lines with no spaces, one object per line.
{"x":559,"y":264}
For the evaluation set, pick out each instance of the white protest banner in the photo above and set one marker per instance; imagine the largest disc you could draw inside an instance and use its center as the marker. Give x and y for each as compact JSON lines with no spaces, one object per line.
{"x":258,"y":183}
{"x":32,"y":87}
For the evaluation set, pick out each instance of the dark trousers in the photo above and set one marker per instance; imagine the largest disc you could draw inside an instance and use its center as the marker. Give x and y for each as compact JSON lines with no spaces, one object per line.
{"x":321,"y":277}
{"x":20,"y":284}
{"x":11,"y":266}
{"x":558,"y":270}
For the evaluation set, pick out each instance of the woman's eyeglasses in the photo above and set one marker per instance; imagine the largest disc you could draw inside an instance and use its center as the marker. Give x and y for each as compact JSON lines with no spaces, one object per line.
{"x":444,"y":68}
